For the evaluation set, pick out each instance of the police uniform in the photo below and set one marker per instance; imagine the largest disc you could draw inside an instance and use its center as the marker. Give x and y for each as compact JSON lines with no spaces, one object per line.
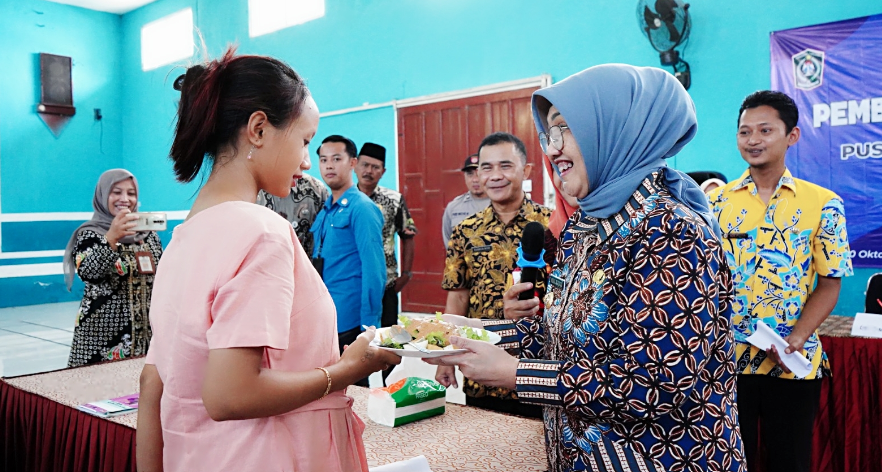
{"x":462,"y":206}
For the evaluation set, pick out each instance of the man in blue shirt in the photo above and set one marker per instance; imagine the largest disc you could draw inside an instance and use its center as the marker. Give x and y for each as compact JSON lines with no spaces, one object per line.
{"x":348,"y":239}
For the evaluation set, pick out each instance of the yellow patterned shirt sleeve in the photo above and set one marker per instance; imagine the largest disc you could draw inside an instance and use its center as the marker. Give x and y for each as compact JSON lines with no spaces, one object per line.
{"x":830,"y":249}
{"x":455,"y":268}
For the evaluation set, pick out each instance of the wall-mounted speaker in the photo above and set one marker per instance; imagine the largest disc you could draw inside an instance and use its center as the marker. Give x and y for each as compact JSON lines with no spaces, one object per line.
{"x":56,"y":93}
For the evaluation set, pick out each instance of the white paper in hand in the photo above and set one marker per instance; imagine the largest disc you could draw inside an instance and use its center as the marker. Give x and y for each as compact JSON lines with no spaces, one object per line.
{"x":417,"y":464}
{"x":764,"y":337}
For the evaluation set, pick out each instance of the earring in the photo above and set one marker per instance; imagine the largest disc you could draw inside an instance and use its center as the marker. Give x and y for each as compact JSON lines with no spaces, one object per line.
{"x":250,"y":152}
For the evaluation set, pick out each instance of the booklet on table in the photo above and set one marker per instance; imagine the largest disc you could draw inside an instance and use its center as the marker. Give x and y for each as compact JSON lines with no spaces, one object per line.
{"x":112,"y":407}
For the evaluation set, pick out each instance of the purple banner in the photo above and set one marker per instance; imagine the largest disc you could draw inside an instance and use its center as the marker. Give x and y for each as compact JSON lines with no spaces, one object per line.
{"x":834,"y":73}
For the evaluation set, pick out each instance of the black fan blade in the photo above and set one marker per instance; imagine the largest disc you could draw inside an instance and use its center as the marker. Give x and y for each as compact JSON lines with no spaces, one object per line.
{"x":675,"y":35}
{"x":665,"y":10}
{"x":650,"y":18}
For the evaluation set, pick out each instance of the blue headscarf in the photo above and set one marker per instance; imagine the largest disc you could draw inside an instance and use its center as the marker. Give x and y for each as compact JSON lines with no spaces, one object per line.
{"x":626,"y":121}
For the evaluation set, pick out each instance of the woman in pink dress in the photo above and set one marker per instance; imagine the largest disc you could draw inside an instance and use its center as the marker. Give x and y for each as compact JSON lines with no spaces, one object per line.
{"x":243,"y":327}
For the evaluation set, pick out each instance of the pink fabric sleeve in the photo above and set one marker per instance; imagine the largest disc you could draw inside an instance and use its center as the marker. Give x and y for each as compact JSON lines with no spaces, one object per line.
{"x":151,"y":358}
{"x":253,"y":309}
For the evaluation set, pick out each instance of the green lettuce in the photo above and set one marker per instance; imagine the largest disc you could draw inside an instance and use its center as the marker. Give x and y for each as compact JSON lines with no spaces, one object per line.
{"x":436,"y":338}
{"x":387,"y":342}
{"x":477,"y":334}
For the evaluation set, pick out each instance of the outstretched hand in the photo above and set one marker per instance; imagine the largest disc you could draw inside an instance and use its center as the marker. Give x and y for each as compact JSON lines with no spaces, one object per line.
{"x":363,"y":359}
{"x":484,"y":363}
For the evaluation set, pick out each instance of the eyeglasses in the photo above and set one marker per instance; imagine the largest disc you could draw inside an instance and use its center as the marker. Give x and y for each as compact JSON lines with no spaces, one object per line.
{"x":555,"y":136}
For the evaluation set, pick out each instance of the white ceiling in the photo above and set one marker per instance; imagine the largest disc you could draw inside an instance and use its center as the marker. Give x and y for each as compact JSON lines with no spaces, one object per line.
{"x":111,"y":6}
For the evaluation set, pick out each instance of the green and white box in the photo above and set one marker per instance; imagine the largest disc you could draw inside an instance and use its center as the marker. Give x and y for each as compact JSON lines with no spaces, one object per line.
{"x":406,"y":401}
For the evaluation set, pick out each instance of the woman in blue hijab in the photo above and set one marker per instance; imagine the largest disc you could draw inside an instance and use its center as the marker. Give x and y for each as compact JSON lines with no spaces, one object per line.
{"x":633,"y":357}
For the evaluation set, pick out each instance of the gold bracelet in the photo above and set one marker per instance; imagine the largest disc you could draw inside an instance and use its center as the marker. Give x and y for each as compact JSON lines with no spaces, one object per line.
{"x":328,"y":375}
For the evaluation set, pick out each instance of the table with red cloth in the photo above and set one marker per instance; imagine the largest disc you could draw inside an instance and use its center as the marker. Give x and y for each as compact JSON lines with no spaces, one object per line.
{"x":848,"y":427}
{"x":42,"y":431}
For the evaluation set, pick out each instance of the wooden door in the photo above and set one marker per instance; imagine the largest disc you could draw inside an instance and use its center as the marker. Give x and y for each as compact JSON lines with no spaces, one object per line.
{"x":433,"y":141}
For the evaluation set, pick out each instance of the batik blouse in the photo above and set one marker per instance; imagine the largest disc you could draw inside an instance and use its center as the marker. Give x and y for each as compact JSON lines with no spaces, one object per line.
{"x":633,"y":357}
{"x":112,"y":322}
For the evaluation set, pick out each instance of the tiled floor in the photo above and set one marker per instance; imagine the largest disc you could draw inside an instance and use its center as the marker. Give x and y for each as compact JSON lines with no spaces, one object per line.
{"x":35,"y":338}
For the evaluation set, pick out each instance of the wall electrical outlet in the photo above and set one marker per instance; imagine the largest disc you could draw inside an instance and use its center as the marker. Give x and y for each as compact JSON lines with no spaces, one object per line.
{"x":98,"y":114}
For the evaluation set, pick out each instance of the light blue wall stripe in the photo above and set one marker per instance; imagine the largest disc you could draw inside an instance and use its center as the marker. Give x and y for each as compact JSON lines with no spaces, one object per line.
{"x":20,"y":291}
{"x":29,"y":260}
{"x":48,"y":235}
{"x":36,"y":235}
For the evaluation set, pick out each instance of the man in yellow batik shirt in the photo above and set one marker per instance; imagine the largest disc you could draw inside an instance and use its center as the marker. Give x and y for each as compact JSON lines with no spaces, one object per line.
{"x":787,"y":248}
{"x":482,"y":252}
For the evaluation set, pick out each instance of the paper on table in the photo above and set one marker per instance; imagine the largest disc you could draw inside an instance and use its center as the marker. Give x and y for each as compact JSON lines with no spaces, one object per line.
{"x":417,"y":464}
{"x":867,"y":325}
{"x":764,"y":337}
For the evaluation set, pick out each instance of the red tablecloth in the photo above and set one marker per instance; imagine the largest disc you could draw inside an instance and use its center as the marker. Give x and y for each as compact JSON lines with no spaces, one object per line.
{"x":41,"y":433}
{"x":38,"y":434}
{"x":41,"y":430}
{"x":848,"y":428}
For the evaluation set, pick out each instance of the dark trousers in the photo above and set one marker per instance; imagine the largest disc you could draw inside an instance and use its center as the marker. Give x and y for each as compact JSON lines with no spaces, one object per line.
{"x":781,"y":413}
{"x":348,"y":337}
{"x":389,"y":316}
{"x":390,"y":308}
{"x":512,"y":407}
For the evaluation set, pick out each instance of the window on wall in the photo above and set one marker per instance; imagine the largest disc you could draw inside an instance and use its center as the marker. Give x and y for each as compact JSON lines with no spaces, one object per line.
{"x":167,"y":40}
{"x":267,"y":16}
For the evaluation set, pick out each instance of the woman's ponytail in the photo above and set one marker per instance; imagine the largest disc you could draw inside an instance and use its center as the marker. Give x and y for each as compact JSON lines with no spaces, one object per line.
{"x":218,"y":99}
{"x":197,"y":117}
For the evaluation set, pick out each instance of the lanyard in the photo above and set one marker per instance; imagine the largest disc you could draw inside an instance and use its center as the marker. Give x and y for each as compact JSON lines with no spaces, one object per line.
{"x":328,"y":220}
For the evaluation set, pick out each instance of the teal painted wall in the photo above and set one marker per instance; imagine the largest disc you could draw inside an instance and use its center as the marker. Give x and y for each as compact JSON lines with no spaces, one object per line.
{"x":373,"y":52}
{"x":379,"y":50}
{"x":374,"y":126}
{"x":41,"y":172}
{"x":40,"y":236}
{"x":384,"y":49}
{"x":37,"y":290}
{"x":149,"y":121}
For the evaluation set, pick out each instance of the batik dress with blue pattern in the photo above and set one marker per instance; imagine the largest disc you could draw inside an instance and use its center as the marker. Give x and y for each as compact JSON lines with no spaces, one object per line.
{"x":633,"y":357}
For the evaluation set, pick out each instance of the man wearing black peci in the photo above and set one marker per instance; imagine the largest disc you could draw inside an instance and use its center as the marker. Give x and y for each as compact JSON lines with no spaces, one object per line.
{"x":396,"y":220}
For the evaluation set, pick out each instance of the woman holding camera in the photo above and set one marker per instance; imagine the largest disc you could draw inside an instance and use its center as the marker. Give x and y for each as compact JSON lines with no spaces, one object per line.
{"x":117,"y":265}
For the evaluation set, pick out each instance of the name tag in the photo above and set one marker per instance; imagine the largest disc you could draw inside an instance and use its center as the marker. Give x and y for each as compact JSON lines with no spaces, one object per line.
{"x":482,"y":249}
{"x":146,"y":265}
{"x":556,"y":282}
{"x":867,"y":325}
{"x":736,"y":235}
